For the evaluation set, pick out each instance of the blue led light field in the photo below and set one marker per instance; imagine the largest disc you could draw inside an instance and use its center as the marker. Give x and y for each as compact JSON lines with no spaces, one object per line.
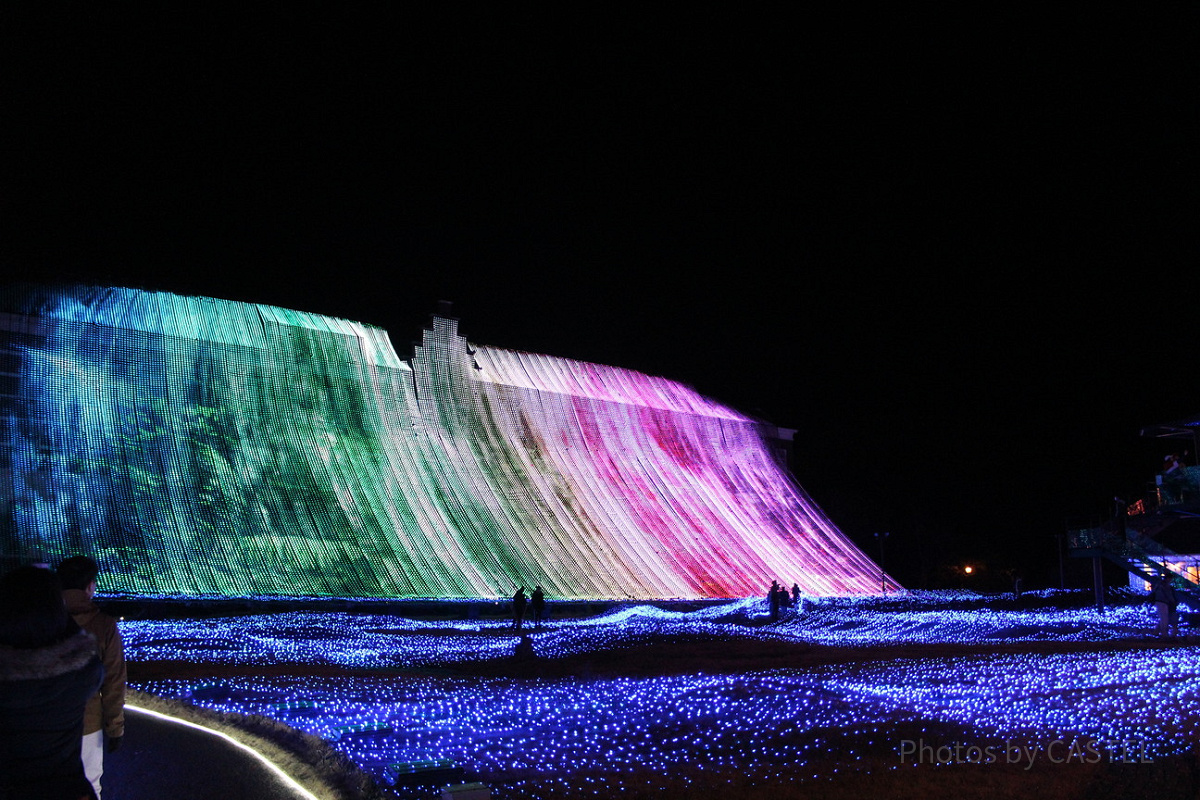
{"x":569,"y":737}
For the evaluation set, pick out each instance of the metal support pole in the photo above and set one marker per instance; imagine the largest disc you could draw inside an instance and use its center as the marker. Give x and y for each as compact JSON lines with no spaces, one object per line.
{"x":1062,"y":572}
{"x":882,"y":573}
{"x":1098,"y":580}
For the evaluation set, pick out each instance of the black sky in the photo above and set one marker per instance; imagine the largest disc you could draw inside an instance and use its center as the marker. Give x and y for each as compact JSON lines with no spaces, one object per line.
{"x":956,"y":255}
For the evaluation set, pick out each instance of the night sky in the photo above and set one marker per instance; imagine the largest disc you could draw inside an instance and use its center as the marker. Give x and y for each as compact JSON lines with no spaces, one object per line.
{"x":958,"y":256}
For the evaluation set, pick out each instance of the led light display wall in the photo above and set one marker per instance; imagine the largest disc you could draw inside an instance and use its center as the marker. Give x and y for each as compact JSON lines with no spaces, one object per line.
{"x":204,"y":447}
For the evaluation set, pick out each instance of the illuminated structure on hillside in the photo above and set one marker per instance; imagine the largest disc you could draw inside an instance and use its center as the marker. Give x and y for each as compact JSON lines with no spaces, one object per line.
{"x":205,"y":447}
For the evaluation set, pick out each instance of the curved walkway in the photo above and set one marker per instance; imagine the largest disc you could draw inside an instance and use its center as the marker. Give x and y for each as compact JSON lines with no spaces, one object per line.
{"x":163,"y":757}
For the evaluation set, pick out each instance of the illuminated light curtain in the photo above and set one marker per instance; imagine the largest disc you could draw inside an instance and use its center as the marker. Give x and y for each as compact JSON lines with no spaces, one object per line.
{"x":686,"y":490}
{"x":204,"y":447}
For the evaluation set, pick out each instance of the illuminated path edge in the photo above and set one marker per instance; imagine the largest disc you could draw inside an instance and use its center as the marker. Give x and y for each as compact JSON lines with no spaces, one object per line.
{"x":293,"y":787}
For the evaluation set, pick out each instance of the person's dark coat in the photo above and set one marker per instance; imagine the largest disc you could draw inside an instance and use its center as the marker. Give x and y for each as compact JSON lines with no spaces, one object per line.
{"x":106,"y":710}
{"x":43,"y":692}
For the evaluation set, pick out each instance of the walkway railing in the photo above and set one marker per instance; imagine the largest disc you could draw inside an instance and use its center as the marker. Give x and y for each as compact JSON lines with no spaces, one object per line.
{"x":1140,"y":555}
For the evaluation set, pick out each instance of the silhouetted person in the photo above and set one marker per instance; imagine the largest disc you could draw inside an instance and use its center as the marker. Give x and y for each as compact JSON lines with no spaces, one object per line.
{"x":519,"y":601}
{"x":48,"y":670}
{"x":796,"y":595}
{"x":104,"y":717}
{"x":538,"y":602}
{"x":773,"y":598}
{"x":1175,"y":478}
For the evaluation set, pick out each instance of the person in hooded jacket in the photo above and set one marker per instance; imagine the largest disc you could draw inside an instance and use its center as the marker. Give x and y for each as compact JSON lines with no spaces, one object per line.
{"x":104,"y":717}
{"x":48,"y":670}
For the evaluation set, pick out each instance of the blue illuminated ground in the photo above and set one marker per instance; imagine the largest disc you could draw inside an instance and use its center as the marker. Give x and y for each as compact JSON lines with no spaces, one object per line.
{"x":601,"y":712}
